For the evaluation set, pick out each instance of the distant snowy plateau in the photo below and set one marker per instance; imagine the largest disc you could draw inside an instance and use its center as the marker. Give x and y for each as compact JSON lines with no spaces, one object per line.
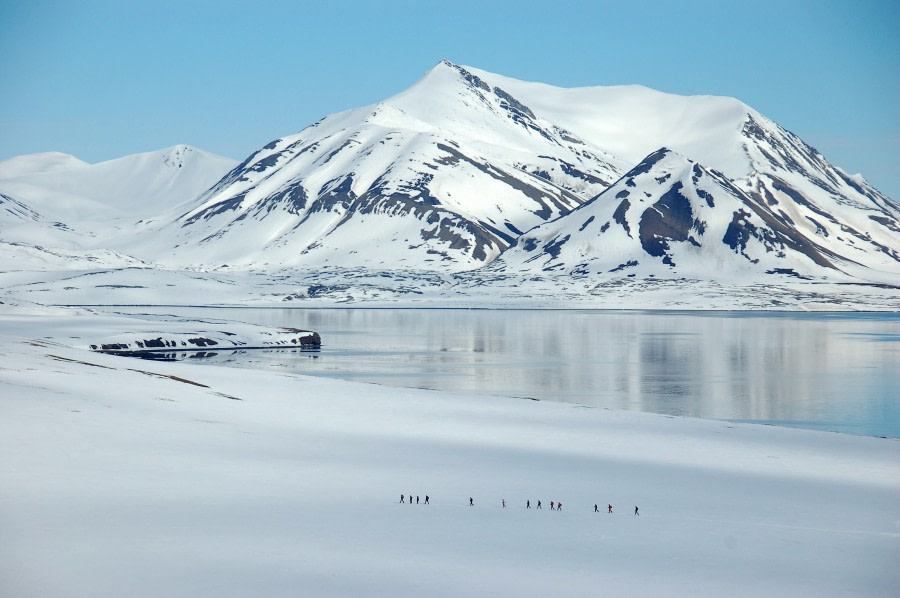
{"x":467,"y":189}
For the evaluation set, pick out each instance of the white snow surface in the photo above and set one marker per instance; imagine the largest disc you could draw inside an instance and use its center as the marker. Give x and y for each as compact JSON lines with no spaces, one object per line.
{"x":132,"y":478}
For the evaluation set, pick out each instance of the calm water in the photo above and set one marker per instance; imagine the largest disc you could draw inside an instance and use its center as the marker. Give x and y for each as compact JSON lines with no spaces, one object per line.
{"x":837,"y":372}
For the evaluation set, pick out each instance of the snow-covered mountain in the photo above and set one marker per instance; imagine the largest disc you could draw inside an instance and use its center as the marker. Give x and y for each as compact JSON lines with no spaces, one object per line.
{"x":56,"y":210}
{"x":466,"y":167}
{"x":444,"y":175}
{"x":450,"y":173}
{"x":136,"y":185}
{"x":670,"y":216}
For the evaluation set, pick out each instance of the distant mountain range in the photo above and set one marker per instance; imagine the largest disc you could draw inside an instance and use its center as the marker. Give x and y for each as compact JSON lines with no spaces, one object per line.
{"x":471,"y":171}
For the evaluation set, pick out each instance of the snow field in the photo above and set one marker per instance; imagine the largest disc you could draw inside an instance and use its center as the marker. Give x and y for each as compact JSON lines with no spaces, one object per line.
{"x":126,"y":477}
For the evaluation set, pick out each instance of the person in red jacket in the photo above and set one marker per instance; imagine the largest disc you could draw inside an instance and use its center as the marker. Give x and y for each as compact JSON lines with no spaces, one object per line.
{"x":610,"y":508}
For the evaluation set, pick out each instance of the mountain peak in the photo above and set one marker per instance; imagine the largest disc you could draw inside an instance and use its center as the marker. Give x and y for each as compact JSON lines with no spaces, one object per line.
{"x":41,"y":163}
{"x":175,"y":156}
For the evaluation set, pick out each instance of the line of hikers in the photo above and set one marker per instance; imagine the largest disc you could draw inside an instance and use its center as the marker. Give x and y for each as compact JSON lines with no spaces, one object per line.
{"x":555,"y":505}
{"x":403,"y":499}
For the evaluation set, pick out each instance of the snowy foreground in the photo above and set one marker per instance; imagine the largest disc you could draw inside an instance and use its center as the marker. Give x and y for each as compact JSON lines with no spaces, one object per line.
{"x":123,"y":477}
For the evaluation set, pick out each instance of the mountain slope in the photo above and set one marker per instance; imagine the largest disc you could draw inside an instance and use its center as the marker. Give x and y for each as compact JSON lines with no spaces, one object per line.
{"x":446,"y":174}
{"x":64,"y":187}
{"x":760,"y":157}
{"x":672,"y":217}
{"x":57,"y":211}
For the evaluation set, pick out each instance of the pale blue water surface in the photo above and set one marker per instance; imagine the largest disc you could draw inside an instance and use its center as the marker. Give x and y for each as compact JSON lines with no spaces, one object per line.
{"x":826,"y":371}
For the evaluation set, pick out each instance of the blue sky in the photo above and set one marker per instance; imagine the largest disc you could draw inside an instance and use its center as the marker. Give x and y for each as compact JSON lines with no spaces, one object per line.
{"x":103,"y":79}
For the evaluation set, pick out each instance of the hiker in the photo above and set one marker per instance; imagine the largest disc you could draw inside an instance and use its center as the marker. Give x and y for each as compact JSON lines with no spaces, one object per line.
{"x":551,"y":505}
{"x":558,"y":506}
{"x":596,"y":510}
{"x":539,"y":504}
{"x":528,"y":504}
{"x":426,"y":499}
{"x":471,"y":502}
{"x":610,"y":508}
{"x":417,"y":499}
{"x":402,"y":497}
{"x":503,"y":500}
{"x":636,"y":511}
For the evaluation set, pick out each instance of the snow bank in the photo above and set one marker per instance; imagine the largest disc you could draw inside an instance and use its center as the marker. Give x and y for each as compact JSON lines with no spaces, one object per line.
{"x":127,"y":477}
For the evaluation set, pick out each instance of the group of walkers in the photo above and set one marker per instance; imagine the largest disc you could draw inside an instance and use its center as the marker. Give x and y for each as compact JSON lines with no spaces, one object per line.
{"x":555,"y":505}
{"x":403,"y":499}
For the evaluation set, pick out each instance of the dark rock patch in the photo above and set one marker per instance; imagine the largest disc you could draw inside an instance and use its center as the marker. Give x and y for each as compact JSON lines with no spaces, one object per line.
{"x":619,"y":215}
{"x":669,"y":219}
{"x":628,"y":264}
{"x":554,"y":247}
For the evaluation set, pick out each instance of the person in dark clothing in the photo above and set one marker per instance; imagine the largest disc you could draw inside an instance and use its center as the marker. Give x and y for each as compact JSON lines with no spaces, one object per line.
{"x":471,"y":502}
{"x":417,"y":500}
{"x":539,"y":504}
{"x":596,"y":510}
{"x":636,"y":511}
{"x":559,"y":506}
{"x":402,"y":497}
{"x":552,"y":507}
{"x":527,"y":504}
{"x":610,"y":508}
{"x":426,"y":499}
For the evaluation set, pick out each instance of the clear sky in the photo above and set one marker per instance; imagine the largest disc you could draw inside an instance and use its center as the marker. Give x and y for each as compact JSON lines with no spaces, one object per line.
{"x":101,"y":79}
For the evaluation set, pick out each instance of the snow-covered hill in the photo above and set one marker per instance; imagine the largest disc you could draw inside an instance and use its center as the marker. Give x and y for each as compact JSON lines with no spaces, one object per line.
{"x":672,"y":217}
{"x":59,"y":212}
{"x":466,"y":167}
{"x":448,"y":174}
{"x":136,"y":185}
{"x":444,"y":175}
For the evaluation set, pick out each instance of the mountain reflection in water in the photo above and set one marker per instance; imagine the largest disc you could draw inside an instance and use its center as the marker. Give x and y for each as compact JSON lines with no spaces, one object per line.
{"x":830,"y":371}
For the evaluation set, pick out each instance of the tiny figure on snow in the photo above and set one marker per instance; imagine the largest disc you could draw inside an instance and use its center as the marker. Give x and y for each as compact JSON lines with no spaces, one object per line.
{"x":539,"y":504}
{"x":471,"y":502}
{"x":610,"y":508}
{"x":596,"y":510}
{"x":417,"y":500}
{"x":426,"y":499}
{"x":558,"y":506}
{"x":552,"y":507}
{"x":503,"y":500}
{"x":528,"y":504}
{"x":636,"y":510}
{"x":402,"y":497}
